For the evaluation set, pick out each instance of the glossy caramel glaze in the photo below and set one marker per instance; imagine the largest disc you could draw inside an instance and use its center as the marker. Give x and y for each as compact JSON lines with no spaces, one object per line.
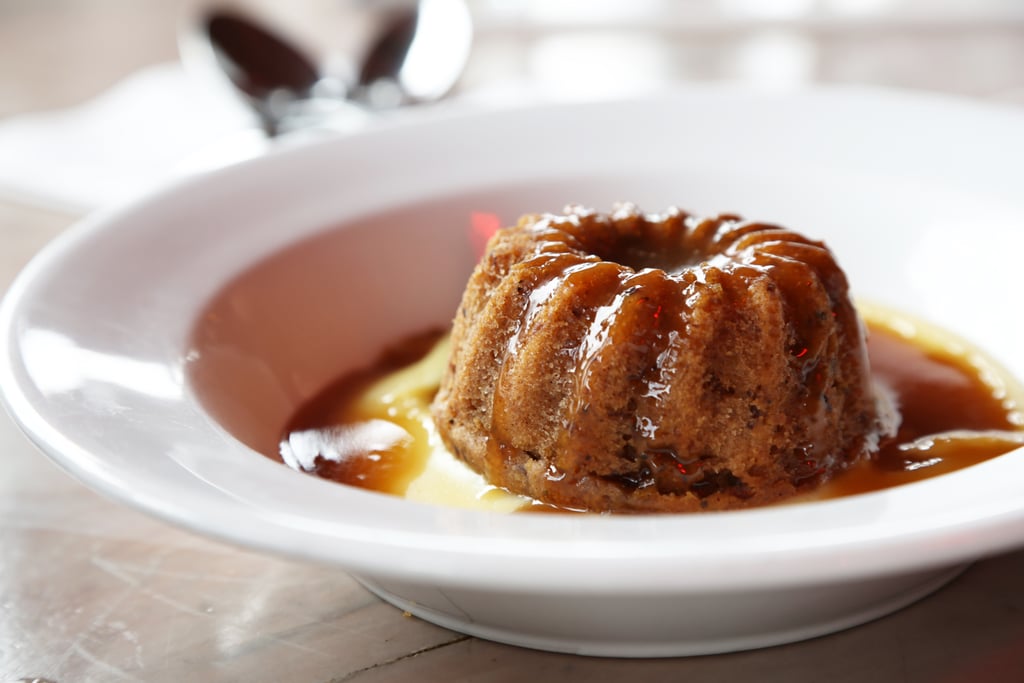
{"x":657,"y":363}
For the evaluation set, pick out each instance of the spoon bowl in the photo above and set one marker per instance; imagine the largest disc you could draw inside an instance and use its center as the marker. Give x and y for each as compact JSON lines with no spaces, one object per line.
{"x":416,"y":55}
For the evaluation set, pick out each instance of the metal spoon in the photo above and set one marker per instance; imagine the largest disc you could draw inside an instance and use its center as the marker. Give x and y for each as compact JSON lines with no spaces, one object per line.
{"x":416,"y":58}
{"x":270,"y":74}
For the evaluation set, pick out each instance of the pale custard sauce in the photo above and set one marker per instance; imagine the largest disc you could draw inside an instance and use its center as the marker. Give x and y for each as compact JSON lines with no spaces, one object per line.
{"x":954,"y":406}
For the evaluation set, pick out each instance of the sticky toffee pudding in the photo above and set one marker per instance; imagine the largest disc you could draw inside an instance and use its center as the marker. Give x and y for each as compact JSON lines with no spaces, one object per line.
{"x":843,"y":415}
{"x":957,"y":412}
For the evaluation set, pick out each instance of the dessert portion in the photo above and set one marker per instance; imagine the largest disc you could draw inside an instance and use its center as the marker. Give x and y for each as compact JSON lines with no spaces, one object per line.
{"x":372,"y":428}
{"x":635,"y":362}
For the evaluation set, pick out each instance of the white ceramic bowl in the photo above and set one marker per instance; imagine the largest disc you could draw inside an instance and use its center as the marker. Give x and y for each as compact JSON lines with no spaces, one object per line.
{"x":921,"y":198}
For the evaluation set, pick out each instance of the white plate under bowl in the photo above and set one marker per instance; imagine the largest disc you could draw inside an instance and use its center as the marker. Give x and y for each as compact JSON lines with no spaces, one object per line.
{"x":921,"y":197}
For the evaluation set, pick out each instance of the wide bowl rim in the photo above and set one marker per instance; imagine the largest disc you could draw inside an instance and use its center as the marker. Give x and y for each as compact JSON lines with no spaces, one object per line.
{"x":760,"y":548}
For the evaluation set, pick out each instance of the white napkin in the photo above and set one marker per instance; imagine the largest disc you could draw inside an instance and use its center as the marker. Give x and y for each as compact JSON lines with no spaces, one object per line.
{"x":156,"y":125}
{"x":150,"y":128}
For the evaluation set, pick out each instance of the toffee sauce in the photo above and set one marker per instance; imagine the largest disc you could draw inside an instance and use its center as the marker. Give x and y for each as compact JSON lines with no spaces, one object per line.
{"x":935,"y":391}
{"x":389,"y":465}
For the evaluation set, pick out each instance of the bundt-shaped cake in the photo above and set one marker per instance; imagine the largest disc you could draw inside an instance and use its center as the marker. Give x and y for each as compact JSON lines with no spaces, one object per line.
{"x":632,"y":362}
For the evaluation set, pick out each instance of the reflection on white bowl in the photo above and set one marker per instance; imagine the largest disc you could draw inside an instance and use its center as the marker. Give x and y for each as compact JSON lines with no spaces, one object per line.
{"x":380,"y":220}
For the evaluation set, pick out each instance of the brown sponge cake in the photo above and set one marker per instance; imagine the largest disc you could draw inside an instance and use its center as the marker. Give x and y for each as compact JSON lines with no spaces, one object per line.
{"x":633,"y":362}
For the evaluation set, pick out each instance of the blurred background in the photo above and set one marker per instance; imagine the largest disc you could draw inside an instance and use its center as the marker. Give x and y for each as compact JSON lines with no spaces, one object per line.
{"x":95,"y":104}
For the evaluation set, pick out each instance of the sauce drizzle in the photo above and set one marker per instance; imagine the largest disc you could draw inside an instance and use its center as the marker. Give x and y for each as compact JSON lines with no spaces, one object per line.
{"x":373,"y":429}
